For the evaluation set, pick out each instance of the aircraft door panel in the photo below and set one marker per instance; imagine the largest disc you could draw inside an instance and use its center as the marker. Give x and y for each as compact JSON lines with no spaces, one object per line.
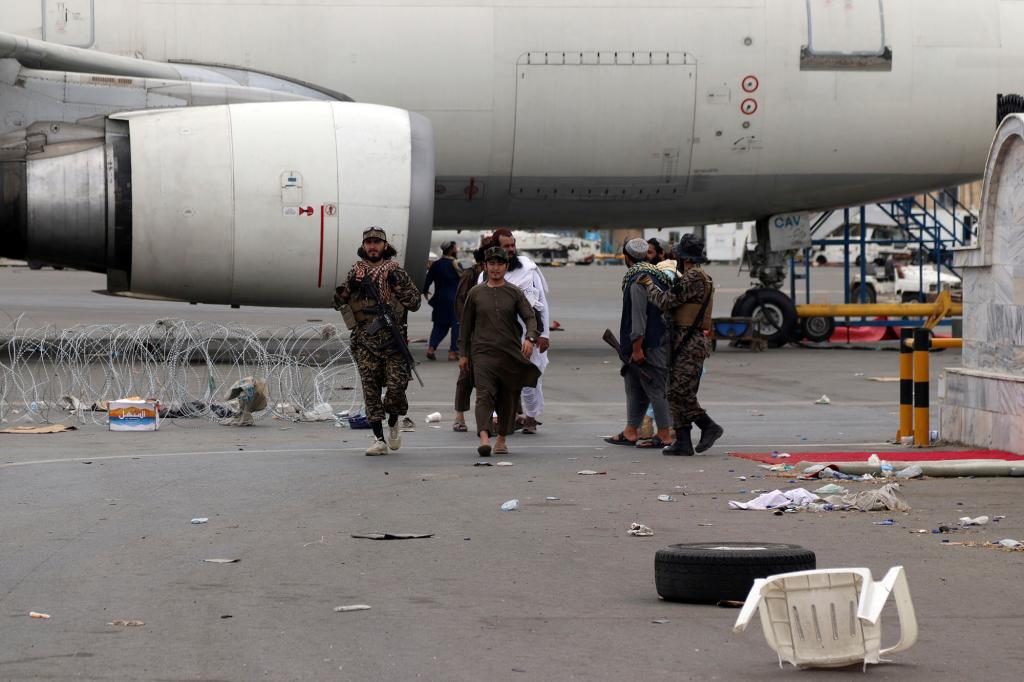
{"x":846,"y":35}
{"x":69,"y":22}
{"x":603,"y":125}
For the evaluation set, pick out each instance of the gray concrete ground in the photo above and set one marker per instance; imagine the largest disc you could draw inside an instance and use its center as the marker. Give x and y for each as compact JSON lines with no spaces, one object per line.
{"x":96,"y":526}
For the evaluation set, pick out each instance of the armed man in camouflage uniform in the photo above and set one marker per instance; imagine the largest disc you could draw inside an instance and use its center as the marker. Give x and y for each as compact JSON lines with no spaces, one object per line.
{"x":687,"y":306}
{"x":380,"y":362}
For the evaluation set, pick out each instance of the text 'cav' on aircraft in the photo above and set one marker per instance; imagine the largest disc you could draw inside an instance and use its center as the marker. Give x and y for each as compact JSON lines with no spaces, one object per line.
{"x":225,"y":152}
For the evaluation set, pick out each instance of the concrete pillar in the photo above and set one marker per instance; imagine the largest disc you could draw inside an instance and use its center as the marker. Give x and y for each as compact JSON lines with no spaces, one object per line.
{"x":982,"y":402}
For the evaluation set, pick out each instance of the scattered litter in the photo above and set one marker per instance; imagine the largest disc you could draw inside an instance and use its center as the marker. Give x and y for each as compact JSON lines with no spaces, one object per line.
{"x":823,"y":400}
{"x":40,"y":616}
{"x":741,"y":478}
{"x":887,"y":380}
{"x":221,"y":561}
{"x":638,"y":473}
{"x":797,"y":497}
{"x":552,"y":499}
{"x":831,"y":489}
{"x":666,"y":498}
{"x":755,"y":413}
{"x":730,"y":604}
{"x":504,"y":464}
{"x":639,"y":530}
{"x":912,"y":471}
{"x":1010,"y":544}
{"x":511,"y":505}
{"x":591,"y":472}
{"x":781,"y":455}
{"x":392,"y":536}
{"x":886,"y":522}
{"x":48,"y":428}
{"x":886,"y":498}
{"x":661,"y":621}
{"x":127,"y":623}
{"x":199,"y":520}
{"x":483,"y":464}
{"x":708,"y":525}
{"x":352,"y":607}
{"x":858,"y":374}
{"x":433,"y":427}
{"x":977,"y":521}
{"x":433,"y":418}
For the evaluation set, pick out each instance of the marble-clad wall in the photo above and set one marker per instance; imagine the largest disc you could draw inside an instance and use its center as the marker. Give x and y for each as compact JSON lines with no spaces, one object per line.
{"x":982,"y":403}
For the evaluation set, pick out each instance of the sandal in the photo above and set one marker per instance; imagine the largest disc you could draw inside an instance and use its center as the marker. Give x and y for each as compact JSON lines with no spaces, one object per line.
{"x":500,"y":450}
{"x":460,"y":427}
{"x":651,"y":443}
{"x":484,"y":451}
{"x":620,"y":440}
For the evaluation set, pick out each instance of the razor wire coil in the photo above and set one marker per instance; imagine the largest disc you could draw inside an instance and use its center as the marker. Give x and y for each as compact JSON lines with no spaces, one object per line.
{"x":56,"y":375}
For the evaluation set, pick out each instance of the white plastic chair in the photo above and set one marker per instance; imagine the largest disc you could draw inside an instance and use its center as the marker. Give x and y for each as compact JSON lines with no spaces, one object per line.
{"x":829,"y":618}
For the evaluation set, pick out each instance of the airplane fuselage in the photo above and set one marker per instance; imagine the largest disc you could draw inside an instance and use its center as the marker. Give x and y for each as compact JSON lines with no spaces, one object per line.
{"x":572,"y":112}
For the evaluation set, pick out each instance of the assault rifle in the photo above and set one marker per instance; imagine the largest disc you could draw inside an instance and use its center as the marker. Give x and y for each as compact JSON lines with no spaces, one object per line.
{"x":385,"y":319}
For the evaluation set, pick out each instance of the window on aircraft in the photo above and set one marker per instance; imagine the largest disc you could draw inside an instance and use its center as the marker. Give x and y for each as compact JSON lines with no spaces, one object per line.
{"x":844,"y":35}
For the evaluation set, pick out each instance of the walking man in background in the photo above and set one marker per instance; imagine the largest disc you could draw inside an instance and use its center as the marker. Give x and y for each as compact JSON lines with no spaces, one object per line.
{"x":444,"y":276}
{"x":643,"y":349}
{"x":525,"y":274}
{"x":464,"y":385}
{"x":375,"y":285}
{"x":688,"y":305}
{"x":492,"y":341}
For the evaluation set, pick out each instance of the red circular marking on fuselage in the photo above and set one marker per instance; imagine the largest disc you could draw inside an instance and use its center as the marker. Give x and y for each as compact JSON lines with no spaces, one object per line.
{"x":750,"y":83}
{"x":748,"y":106}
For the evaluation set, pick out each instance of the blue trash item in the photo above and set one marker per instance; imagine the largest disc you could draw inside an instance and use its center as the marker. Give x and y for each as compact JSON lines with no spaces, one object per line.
{"x":887,"y":522}
{"x":359,"y":421}
{"x":731,"y":330}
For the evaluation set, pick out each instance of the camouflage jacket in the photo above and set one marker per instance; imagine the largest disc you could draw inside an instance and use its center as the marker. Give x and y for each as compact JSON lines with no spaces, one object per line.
{"x":405,"y":296}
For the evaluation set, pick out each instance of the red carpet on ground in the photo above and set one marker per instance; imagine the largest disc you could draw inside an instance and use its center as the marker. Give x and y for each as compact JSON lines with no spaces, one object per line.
{"x":902,"y":456}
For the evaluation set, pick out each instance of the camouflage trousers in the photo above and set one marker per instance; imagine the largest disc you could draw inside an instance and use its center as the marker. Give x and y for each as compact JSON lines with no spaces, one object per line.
{"x":382,"y":370}
{"x":684,"y":380}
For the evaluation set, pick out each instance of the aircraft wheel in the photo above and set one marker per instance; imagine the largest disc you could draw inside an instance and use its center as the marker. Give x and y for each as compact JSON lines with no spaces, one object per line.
{"x":772,"y":310}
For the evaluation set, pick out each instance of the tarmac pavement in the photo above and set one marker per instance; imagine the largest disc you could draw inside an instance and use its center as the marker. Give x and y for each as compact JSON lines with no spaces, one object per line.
{"x":96,"y":526}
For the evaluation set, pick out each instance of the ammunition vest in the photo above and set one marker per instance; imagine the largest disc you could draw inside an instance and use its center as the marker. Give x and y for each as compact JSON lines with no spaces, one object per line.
{"x":686,"y":314}
{"x":363,"y":309}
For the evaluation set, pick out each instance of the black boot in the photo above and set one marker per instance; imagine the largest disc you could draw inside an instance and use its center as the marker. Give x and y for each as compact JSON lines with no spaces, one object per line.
{"x":709,"y":432}
{"x":682,"y":445}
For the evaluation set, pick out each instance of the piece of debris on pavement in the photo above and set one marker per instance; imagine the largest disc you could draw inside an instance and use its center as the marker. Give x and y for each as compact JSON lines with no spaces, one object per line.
{"x":127,"y":623}
{"x":39,"y":616}
{"x":823,"y":400}
{"x":591,"y":472}
{"x":352,"y":607}
{"x":730,"y":604}
{"x":666,"y":498}
{"x":639,"y":530}
{"x":392,"y":536}
{"x":221,"y":561}
{"x":48,"y":428}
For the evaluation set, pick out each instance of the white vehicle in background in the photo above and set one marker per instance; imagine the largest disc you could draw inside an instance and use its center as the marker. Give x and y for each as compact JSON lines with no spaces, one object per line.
{"x":546,"y":248}
{"x":876,"y":253}
{"x":905,"y":283}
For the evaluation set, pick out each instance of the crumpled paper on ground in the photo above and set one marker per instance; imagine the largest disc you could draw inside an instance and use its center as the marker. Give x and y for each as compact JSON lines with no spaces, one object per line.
{"x":886,"y":498}
{"x":798,"y":497}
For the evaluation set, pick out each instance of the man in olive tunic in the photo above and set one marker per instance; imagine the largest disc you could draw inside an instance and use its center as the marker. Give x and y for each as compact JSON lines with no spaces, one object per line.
{"x":687,"y":306}
{"x":490,"y":341}
{"x":381,"y":366}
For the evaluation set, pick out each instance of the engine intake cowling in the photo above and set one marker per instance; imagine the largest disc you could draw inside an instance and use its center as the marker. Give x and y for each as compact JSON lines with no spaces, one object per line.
{"x":248,"y":204}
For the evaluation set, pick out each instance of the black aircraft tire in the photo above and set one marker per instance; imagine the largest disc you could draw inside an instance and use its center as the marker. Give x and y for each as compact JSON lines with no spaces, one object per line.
{"x":818,"y":329}
{"x":708,"y":572}
{"x":770,"y":303}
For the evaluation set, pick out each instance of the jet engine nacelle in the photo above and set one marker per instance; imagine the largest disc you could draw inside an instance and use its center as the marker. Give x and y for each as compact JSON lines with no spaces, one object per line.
{"x":248,"y":204}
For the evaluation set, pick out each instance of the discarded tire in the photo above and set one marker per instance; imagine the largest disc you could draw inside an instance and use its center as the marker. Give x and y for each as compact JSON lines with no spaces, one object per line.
{"x":708,"y":572}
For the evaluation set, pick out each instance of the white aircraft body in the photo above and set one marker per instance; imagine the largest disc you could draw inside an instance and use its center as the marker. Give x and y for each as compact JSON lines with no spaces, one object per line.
{"x":209,"y":150}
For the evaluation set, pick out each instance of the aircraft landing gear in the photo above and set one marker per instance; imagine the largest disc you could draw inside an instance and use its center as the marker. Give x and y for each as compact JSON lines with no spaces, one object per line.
{"x":772,"y":310}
